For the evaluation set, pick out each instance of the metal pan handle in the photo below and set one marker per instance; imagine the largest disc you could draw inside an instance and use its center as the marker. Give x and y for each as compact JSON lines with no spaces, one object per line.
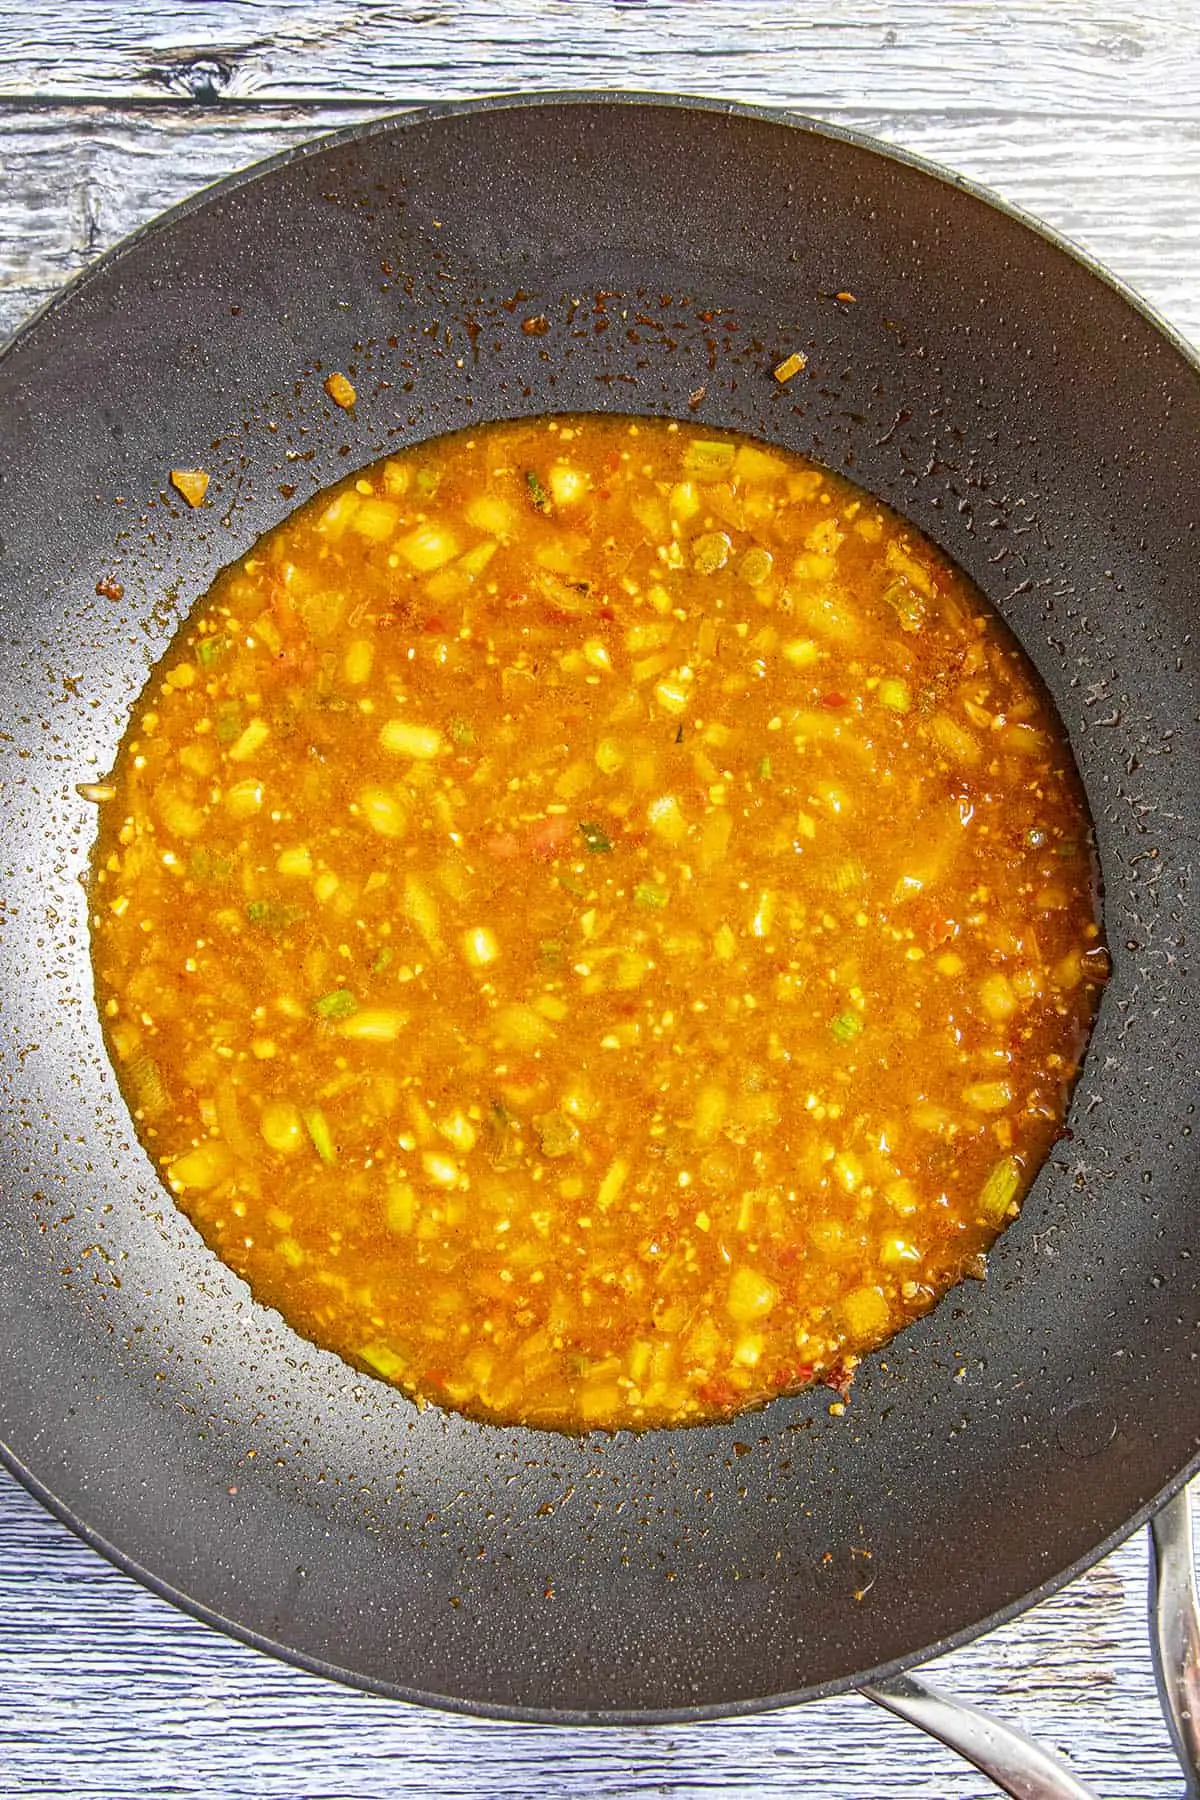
{"x":1175,"y":1630}
{"x":1018,"y":1766}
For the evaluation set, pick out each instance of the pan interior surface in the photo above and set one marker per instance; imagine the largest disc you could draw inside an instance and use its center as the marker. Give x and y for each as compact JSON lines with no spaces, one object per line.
{"x":581,"y":255}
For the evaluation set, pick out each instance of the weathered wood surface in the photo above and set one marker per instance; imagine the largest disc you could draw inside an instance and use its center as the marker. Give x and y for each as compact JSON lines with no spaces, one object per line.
{"x":1087,"y":113}
{"x":1047,"y":57}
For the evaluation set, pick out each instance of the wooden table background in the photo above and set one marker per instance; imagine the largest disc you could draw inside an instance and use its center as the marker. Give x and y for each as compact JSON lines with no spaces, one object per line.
{"x":1087,"y":113}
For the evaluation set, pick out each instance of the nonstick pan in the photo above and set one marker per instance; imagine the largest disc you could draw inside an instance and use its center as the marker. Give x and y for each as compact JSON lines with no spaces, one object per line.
{"x":611,"y":253}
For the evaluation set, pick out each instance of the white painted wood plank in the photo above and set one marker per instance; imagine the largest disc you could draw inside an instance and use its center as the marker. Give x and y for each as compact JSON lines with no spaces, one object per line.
{"x":1054,"y":57}
{"x":1085,"y":111}
{"x":107,"y":1684}
{"x":77,"y":180}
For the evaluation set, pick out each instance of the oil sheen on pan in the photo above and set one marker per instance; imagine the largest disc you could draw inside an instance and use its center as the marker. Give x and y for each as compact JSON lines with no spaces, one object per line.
{"x":596,"y":924}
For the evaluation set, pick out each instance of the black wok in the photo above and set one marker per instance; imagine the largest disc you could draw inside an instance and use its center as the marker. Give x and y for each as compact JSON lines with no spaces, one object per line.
{"x":1023,"y":411}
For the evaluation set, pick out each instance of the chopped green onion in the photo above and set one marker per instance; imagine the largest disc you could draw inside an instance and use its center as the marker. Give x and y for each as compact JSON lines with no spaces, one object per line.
{"x":317,"y":1127}
{"x":1000,"y":1189}
{"x":428,"y":483}
{"x":573,"y":883}
{"x":537,"y":493}
{"x":710,"y":552}
{"x":764,"y":768}
{"x":846,"y":1027}
{"x":848,"y":876}
{"x":894,"y":694}
{"x":651,"y":896}
{"x":596,"y":839}
{"x":228,"y":727}
{"x":383,"y":960}
{"x":461,"y":733}
{"x":755,"y":567}
{"x":558,"y":1134}
{"x":210,"y":650}
{"x":336,"y":1005}
{"x":707,"y":459}
{"x":274,"y":916}
{"x":906,"y":603}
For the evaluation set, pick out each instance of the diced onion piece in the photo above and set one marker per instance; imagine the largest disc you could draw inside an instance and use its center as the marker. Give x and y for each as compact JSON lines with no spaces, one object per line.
{"x":473,"y":562}
{"x":181,"y":816}
{"x":764,"y":914}
{"x":340,"y":390}
{"x":673,"y":695}
{"x":684,"y":501}
{"x":338,"y":514}
{"x":953,"y":741}
{"x":202,"y":1168}
{"x":610,"y":757}
{"x":790,"y":366}
{"x":428,"y":547}
{"x":442,"y":1170}
{"x":459,"y":1131}
{"x":295,"y":860}
{"x":866,"y":1313}
{"x":895,"y":695}
{"x":373,"y":1025}
{"x":666,"y":819}
{"x":384,"y":1360}
{"x":191,"y":483}
{"x":521,"y":1028}
{"x":801,"y":653}
{"x":249,"y":741}
{"x":383,"y":811}
{"x":649,"y":634}
{"x":715,"y":834}
{"x":282,"y":1127}
{"x":988,"y":1096}
{"x":615,"y":1177}
{"x":400,"y":737}
{"x":710,"y":1112}
{"x":567,"y":485}
{"x":489,"y":513}
{"x":244,"y":798}
{"x":997,"y":997}
{"x":480,"y":946}
{"x":421,"y":910}
{"x":376,"y":520}
{"x":751,"y":1296}
{"x":401,"y":1207}
{"x":896,"y":1251}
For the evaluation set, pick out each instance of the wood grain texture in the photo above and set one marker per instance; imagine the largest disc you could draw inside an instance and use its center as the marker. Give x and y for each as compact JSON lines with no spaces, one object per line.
{"x":1087,"y":113}
{"x":1037,"y":56}
{"x":107,"y":1688}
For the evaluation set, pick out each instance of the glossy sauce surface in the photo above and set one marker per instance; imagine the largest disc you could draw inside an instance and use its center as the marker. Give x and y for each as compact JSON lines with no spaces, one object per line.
{"x":596,"y":922}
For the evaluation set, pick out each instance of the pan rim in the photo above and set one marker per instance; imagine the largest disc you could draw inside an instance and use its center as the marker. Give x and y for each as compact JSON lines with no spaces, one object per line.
{"x":419,"y":116}
{"x":533,"y":1715}
{"x":515,"y":98}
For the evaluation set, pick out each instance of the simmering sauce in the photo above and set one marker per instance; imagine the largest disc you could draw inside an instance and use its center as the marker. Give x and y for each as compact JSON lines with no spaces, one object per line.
{"x":596,"y":922}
